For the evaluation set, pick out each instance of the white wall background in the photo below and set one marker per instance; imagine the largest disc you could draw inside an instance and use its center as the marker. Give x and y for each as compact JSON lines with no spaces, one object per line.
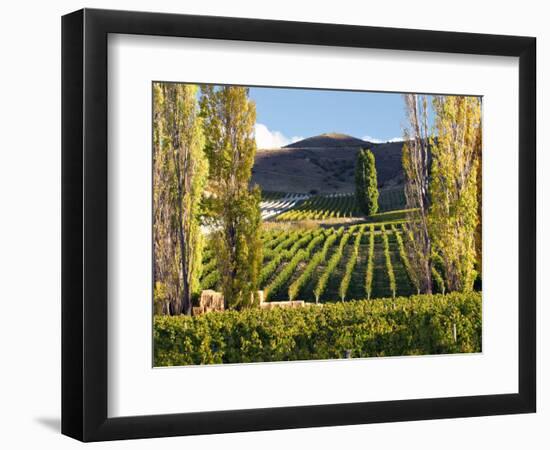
{"x":30,"y":227}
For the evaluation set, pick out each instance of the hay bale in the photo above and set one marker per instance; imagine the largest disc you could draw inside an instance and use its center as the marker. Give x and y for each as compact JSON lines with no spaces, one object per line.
{"x":210,"y":300}
{"x":261,"y":296}
{"x":197,"y":310}
{"x":287,"y":304}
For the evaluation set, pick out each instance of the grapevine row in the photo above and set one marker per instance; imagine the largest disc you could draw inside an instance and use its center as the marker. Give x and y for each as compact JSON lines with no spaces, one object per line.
{"x":295,"y":240}
{"x":278,"y":242}
{"x":305,"y":239}
{"x":370,"y":264}
{"x":405,"y":259}
{"x":289,"y":269}
{"x":350,"y":265}
{"x":288,"y":241}
{"x":276,"y":256}
{"x":331,"y":265}
{"x":294,"y":288}
{"x":389,"y":266}
{"x":322,"y":207}
{"x":312,"y":239}
{"x":272,"y":238}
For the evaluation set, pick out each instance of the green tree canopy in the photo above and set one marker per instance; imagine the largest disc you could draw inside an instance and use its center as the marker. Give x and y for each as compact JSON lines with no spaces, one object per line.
{"x":453,"y":216}
{"x":233,"y":207}
{"x":366,"y":182}
{"x":179,"y":174}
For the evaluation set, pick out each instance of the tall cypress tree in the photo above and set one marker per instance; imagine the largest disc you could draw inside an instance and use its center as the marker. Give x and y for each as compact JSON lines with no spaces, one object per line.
{"x":366,"y":182}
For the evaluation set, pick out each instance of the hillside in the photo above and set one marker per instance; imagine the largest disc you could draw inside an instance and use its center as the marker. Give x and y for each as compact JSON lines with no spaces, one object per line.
{"x":332,"y":140}
{"x":324,"y":163}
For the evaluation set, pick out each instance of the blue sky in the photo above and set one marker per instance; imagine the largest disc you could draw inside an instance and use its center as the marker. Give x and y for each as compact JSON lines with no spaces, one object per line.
{"x":287,"y":115}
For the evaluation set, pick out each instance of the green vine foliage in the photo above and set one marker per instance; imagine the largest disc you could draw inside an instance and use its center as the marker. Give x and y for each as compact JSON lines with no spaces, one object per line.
{"x":294,"y":288}
{"x":389,"y":265}
{"x":350,"y":265}
{"x":331,"y":266}
{"x":366,"y":184}
{"x":416,"y":325}
{"x":405,"y":259}
{"x":370,"y":264}
{"x":301,"y":255}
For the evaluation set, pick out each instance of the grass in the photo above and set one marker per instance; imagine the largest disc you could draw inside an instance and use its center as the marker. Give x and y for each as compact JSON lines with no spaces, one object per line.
{"x":389,"y":217}
{"x":391,"y":199}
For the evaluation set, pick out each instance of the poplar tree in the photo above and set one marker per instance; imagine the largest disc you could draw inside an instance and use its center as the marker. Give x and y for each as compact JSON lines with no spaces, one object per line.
{"x":233,"y":207}
{"x":366,"y":182}
{"x":453,"y":216}
{"x":478,"y":146}
{"x":416,"y":168}
{"x":179,"y":174}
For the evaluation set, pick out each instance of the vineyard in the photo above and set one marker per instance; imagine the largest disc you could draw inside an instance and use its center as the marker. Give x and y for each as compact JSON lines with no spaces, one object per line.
{"x":321,"y":248}
{"x":366,"y":260}
{"x":296,"y":207}
{"x":328,"y":247}
{"x":417,"y":325}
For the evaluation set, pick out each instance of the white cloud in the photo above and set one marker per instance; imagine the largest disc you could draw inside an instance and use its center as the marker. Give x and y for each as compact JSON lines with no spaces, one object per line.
{"x":265,"y":138}
{"x":381,"y":141}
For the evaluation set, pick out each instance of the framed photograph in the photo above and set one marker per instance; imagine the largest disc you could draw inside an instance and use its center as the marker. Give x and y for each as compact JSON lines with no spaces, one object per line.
{"x":273,"y":224}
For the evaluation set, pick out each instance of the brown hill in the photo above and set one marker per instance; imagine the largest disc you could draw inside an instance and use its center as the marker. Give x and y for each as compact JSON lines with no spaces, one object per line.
{"x":333,"y":140}
{"x":324,"y":163}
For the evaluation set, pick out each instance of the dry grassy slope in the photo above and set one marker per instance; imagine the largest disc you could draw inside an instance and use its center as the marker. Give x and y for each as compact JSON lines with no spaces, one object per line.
{"x":324,"y":163}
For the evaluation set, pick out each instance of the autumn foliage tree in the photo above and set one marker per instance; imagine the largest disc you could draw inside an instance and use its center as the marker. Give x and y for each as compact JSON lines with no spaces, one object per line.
{"x":477,"y":143}
{"x":179,"y":175}
{"x":416,"y":167}
{"x":453,"y":216}
{"x":233,"y":207}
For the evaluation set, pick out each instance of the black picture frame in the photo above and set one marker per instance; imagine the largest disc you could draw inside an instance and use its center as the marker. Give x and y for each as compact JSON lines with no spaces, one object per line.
{"x":84,"y":224}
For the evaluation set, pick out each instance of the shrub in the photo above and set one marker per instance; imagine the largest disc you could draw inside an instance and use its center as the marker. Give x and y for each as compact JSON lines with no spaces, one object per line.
{"x":211,"y":280}
{"x":209,"y":266}
{"x":417,"y":325}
